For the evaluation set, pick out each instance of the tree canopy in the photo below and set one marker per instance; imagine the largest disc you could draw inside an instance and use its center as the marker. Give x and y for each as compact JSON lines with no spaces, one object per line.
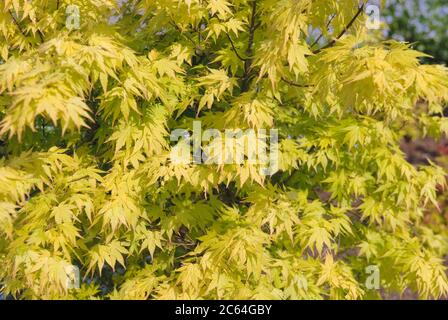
{"x":91,"y":91}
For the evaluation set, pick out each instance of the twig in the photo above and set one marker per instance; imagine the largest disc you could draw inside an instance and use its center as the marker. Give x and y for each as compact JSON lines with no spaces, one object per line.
{"x":184,"y":34}
{"x":296,"y":84}
{"x":347,"y":27}
{"x":322,"y":34}
{"x":234,"y":48}
{"x":17,"y":23}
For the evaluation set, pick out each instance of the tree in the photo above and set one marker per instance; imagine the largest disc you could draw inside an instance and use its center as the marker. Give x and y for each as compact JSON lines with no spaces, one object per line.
{"x":88,"y":178}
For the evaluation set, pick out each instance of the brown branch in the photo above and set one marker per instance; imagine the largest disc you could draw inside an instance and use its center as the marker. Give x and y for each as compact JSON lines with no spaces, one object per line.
{"x":249,"y":51}
{"x":252,"y":28}
{"x":347,"y":27}
{"x":292,"y":83}
{"x":234,"y":48}
{"x":322,"y":34}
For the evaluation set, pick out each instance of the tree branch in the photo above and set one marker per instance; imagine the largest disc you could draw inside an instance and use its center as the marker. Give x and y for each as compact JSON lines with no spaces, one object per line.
{"x":41,"y":36}
{"x":347,"y":27}
{"x":322,"y":34}
{"x":234,"y":48}
{"x":249,"y":51}
{"x":182,"y":33}
{"x":17,"y":23}
{"x":292,"y":83}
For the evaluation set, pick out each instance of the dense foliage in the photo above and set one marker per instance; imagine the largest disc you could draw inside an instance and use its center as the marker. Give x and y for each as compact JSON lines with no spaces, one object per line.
{"x":86,"y":176}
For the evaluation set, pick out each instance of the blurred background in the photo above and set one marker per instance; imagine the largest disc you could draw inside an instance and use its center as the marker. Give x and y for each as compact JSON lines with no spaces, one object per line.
{"x":425,"y":24}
